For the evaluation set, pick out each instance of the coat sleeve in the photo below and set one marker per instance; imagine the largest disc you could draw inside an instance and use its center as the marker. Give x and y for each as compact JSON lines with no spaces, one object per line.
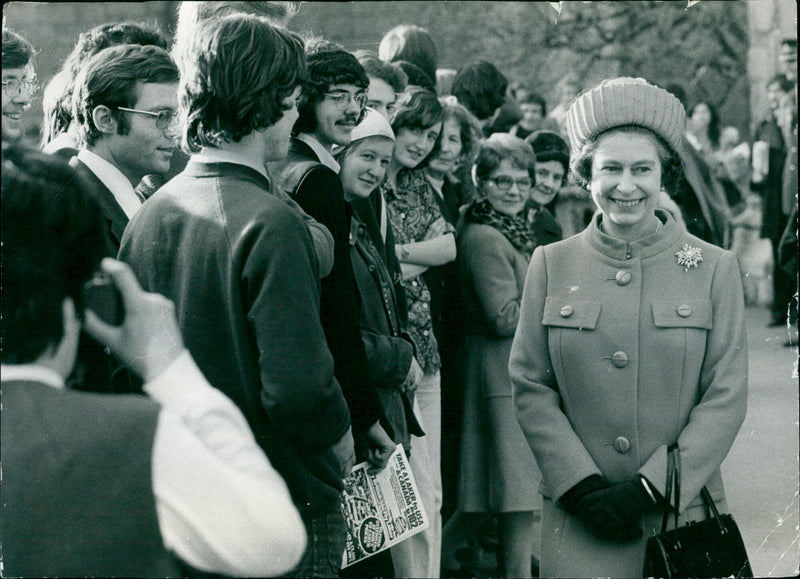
{"x":389,"y":358}
{"x":716,"y":419}
{"x":320,"y":195}
{"x":560,"y":454}
{"x":489,"y":263}
{"x":281,"y":297}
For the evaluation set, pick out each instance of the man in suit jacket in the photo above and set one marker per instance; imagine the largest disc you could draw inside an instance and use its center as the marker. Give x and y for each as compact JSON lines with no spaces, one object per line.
{"x":91,"y":484}
{"x":124,"y":104}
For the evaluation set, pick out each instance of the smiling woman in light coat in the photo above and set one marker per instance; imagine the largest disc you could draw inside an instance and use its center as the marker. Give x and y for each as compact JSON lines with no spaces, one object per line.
{"x":631,"y":338}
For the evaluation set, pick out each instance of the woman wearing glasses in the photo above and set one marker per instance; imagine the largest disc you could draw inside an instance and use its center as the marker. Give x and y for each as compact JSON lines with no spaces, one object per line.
{"x":498,"y":473}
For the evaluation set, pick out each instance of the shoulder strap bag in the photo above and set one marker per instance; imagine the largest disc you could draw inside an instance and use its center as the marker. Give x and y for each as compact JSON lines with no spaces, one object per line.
{"x":709,"y":548}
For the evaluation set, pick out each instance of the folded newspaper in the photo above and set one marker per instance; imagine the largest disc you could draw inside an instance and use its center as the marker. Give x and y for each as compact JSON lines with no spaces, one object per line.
{"x":380,"y":509}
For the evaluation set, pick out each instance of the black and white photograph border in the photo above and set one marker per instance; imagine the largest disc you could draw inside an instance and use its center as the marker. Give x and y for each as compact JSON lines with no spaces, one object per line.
{"x":727,"y":53}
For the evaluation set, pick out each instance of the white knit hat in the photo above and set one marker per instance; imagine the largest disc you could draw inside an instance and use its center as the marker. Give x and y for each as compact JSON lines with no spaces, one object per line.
{"x":373,"y":124}
{"x":625,"y":101}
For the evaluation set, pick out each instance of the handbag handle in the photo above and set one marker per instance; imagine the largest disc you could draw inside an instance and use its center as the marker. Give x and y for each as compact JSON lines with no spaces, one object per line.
{"x":674,"y":489}
{"x":673,"y":485}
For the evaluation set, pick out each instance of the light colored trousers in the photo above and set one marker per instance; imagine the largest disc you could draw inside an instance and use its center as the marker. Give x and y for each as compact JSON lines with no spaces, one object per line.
{"x":420,"y":555}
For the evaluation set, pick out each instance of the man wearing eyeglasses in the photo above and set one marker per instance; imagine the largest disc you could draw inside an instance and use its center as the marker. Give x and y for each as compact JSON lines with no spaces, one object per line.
{"x":19,"y":83}
{"x":333,"y":103}
{"x":124,"y":104}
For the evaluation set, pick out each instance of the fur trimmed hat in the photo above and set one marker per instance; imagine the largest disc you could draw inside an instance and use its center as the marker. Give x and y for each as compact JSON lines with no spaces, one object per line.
{"x":625,"y":101}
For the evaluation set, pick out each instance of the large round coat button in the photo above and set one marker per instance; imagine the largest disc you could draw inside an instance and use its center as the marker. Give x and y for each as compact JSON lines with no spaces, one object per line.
{"x":623,"y":277}
{"x":685,"y":310}
{"x":619,"y":359}
{"x":622,"y":444}
{"x":566,"y":311}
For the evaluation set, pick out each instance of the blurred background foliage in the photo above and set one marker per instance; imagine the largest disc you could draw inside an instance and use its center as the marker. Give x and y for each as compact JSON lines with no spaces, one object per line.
{"x":704,"y":47}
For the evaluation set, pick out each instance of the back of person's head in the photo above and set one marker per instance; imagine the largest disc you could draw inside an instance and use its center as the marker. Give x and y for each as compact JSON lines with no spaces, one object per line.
{"x":549,"y":146}
{"x":413,"y":44}
{"x":17,"y":52}
{"x":417,"y":109}
{"x":112,"y":34}
{"x":110,"y":78}
{"x":315,"y":43}
{"x":502,"y":146}
{"x":536,"y":99}
{"x":57,"y":105}
{"x":53,"y":241}
{"x":192,"y":14}
{"x":388,"y":72}
{"x":416,"y":76}
{"x":325,"y":69}
{"x":480,"y":87}
{"x":237,"y":73}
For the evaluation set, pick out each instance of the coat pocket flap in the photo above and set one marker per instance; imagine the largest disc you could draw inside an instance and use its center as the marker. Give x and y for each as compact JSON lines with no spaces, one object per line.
{"x":570,"y":314}
{"x":685,"y":314}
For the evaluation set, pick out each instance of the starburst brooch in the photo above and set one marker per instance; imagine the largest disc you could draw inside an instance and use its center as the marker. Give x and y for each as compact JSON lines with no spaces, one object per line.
{"x":689,"y":256}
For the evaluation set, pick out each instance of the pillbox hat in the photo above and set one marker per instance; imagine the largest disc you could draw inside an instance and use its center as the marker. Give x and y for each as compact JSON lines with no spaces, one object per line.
{"x":625,"y":101}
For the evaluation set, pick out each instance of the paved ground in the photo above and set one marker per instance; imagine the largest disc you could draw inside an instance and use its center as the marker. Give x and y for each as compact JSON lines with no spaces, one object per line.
{"x":761,"y":471}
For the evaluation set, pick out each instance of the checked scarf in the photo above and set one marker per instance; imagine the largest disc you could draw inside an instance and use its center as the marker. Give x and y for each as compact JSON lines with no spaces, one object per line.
{"x":516,"y":229}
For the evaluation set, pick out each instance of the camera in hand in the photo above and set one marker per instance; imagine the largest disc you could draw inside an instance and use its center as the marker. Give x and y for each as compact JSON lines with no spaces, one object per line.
{"x":102,"y":297}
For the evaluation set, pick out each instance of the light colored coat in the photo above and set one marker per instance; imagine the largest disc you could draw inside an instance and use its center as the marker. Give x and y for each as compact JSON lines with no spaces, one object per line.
{"x":619,"y":352}
{"x":497,"y":471}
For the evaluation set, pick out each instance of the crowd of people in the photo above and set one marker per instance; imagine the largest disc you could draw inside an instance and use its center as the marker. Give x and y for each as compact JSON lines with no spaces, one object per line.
{"x":316,"y":255}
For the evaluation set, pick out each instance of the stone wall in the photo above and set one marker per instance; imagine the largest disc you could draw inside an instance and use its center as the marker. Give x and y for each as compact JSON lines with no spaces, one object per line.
{"x":770,"y":21}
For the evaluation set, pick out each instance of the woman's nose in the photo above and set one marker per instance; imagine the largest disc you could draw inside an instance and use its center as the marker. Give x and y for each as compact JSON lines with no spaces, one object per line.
{"x":626,"y":184}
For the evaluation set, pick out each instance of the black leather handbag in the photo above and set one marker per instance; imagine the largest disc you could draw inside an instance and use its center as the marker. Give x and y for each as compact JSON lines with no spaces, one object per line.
{"x":709,"y":548}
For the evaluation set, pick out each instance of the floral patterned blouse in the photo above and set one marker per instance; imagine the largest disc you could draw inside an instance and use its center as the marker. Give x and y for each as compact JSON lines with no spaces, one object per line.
{"x":412,"y":210}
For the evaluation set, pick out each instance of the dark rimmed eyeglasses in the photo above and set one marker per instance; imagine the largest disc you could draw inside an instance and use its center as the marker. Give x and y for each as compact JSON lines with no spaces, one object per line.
{"x":342,"y":100}
{"x":505,"y":183}
{"x":166,"y":120}
{"x":13,"y":86}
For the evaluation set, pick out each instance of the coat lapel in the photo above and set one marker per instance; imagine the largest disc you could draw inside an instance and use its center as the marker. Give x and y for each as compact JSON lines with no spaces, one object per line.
{"x":112,"y":212}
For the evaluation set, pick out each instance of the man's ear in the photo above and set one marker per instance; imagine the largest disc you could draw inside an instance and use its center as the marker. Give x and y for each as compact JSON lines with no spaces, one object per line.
{"x":104,"y":120}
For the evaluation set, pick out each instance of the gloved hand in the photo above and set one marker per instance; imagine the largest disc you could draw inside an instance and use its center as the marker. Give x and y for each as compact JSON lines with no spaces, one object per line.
{"x":613,"y":513}
{"x":569,"y":500}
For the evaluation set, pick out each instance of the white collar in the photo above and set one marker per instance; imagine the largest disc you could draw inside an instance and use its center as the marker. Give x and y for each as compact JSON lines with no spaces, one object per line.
{"x":323,"y":154}
{"x":67,"y":140}
{"x":114,"y":180}
{"x":213,"y":155}
{"x":31,"y":373}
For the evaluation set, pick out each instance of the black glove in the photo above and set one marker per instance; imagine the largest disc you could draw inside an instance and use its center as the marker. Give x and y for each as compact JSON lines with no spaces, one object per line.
{"x":569,"y":500}
{"x":613,"y":513}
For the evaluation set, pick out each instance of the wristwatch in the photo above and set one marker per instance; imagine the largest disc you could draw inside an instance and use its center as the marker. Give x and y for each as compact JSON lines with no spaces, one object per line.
{"x":404,"y":253}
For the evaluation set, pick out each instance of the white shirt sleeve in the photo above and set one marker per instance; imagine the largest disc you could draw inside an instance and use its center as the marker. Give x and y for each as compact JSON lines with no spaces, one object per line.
{"x":221,"y":505}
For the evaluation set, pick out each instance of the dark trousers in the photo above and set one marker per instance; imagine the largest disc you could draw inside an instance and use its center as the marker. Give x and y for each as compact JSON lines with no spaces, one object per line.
{"x":379,"y":566}
{"x":326,"y":541}
{"x":783,"y":286}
